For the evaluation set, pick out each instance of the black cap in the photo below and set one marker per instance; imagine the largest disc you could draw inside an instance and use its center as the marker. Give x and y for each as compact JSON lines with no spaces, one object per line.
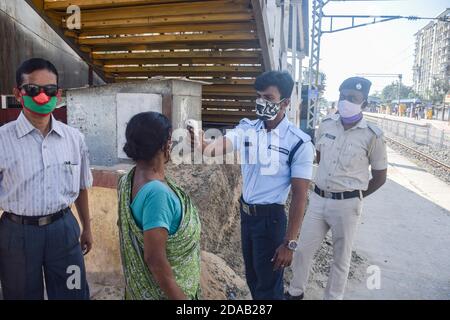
{"x":357,"y":83}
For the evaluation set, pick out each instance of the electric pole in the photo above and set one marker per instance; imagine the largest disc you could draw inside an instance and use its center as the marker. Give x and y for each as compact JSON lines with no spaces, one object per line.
{"x":316,"y":36}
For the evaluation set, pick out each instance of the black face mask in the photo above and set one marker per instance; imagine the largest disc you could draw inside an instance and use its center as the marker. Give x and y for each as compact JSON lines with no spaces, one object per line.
{"x":267,"y":110}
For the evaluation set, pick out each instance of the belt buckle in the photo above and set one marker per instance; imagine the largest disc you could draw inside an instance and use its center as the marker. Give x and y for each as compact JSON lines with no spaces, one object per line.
{"x":249,"y":209}
{"x":245,"y":208}
{"x":43,"y":221}
{"x":328,"y":195}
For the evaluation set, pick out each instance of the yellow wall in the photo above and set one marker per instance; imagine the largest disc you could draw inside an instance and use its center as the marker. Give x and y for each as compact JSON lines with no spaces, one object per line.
{"x":103,"y":263}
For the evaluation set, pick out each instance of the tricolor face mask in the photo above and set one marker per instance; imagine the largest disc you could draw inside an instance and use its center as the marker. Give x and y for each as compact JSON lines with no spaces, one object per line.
{"x":40,"y":102}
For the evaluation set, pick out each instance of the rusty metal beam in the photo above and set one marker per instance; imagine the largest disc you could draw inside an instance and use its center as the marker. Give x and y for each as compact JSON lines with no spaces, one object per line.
{"x":98,"y":4}
{"x":185,"y":38}
{"x":167,"y":20}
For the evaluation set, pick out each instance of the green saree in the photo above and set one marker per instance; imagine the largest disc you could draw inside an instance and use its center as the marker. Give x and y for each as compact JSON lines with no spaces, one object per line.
{"x":183,"y":248}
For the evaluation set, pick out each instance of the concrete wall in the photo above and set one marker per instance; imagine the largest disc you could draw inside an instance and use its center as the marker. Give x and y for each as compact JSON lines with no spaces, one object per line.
{"x":94,"y":112}
{"x":103,"y":263}
{"x":24,"y":35}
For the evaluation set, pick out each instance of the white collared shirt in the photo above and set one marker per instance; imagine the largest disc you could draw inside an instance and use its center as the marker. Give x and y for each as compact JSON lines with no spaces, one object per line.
{"x":41,"y":175}
{"x":264,"y":157}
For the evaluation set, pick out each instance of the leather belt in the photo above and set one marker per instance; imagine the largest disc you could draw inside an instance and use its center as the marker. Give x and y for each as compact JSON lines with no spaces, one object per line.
{"x":338,"y":195}
{"x":260,"y":209}
{"x":41,"y":221}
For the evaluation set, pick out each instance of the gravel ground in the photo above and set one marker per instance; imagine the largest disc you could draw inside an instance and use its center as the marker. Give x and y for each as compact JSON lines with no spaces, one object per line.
{"x":441,"y":154}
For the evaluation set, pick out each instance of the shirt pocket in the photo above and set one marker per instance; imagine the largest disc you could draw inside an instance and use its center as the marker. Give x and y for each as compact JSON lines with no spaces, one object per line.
{"x":284,"y":168}
{"x":353,"y":157}
{"x":324,"y":145}
{"x":71,"y":172}
{"x":277,"y":160}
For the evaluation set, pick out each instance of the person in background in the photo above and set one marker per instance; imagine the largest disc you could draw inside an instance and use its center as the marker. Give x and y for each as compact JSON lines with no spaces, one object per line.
{"x":158,"y":223}
{"x":332,"y":109}
{"x":44,"y":170}
{"x":347,"y":147}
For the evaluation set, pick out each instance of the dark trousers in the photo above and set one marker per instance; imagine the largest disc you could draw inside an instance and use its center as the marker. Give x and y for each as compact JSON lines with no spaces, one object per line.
{"x":261,"y":236}
{"x":28,"y":254}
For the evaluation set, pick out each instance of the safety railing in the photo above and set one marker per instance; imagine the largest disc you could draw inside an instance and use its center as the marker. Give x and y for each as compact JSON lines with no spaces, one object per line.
{"x":421,"y":134}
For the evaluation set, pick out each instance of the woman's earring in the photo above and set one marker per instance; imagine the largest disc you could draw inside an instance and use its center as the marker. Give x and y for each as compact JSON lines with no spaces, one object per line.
{"x":167,"y":155}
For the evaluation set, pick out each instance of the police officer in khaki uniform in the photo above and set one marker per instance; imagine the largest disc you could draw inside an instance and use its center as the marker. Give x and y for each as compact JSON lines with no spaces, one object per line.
{"x":347,"y":146}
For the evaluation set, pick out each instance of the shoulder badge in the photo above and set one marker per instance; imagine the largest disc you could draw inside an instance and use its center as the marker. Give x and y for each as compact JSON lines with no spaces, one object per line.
{"x":299,"y":133}
{"x":333,"y":116}
{"x":374,"y":128}
{"x":247,"y":121}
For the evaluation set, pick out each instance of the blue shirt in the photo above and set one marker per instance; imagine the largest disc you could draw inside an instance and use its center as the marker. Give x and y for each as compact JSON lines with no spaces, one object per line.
{"x":157,"y":206}
{"x":264,"y":159}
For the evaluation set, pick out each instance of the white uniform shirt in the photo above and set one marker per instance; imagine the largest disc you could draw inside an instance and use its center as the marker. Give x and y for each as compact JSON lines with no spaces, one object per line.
{"x":264,"y":155}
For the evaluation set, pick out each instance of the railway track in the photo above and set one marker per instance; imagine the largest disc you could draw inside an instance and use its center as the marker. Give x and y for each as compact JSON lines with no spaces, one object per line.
{"x":420,"y":154}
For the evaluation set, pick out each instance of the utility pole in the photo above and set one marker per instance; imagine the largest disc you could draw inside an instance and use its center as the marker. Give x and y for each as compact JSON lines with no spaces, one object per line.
{"x":314,"y":61}
{"x":399,"y":91}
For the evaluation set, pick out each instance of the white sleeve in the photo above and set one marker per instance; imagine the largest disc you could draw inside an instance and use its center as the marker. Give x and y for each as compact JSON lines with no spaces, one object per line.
{"x":302,"y":163}
{"x":378,"y":155}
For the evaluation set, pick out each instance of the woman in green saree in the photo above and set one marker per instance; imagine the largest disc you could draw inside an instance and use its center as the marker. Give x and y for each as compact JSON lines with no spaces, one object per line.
{"x":159,"y":226}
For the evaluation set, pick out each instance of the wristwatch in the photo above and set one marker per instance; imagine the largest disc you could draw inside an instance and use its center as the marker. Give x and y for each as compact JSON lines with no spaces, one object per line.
{"x":292,"y":245}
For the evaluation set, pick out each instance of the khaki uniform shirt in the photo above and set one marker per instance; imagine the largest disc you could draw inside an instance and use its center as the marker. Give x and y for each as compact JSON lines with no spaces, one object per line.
{"x":345,"y":155}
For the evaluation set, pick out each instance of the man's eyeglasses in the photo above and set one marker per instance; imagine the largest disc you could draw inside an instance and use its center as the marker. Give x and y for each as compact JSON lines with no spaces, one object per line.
{"x":34,"y":90}
{"x":351,"y":98}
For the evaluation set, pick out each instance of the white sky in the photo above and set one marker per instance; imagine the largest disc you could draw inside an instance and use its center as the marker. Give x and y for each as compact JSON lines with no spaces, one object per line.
{"x":387,"y":47}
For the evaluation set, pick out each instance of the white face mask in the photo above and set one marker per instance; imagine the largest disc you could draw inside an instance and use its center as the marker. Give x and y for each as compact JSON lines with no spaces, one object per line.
{"x":348,"y":109}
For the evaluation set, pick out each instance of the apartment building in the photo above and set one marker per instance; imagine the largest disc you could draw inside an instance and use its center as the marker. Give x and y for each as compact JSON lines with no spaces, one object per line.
{"x":432,"y":56}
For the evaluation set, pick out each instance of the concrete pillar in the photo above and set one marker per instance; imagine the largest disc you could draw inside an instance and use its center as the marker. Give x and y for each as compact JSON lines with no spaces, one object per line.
{"x":101,"y":113}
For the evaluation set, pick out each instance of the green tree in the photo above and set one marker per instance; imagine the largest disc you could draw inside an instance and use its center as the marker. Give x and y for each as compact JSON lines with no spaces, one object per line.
{"x":438,"y":91}
{"x":377,"y":94}
{"x":390,"y":92}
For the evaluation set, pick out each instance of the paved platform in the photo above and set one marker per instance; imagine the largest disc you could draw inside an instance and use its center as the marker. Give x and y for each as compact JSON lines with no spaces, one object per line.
{"x":405,"y":230}
{"x":438,"y":124}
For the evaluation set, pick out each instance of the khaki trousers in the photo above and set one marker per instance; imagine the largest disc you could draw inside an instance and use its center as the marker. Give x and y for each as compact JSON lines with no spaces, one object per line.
{"x":342,"y":217}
